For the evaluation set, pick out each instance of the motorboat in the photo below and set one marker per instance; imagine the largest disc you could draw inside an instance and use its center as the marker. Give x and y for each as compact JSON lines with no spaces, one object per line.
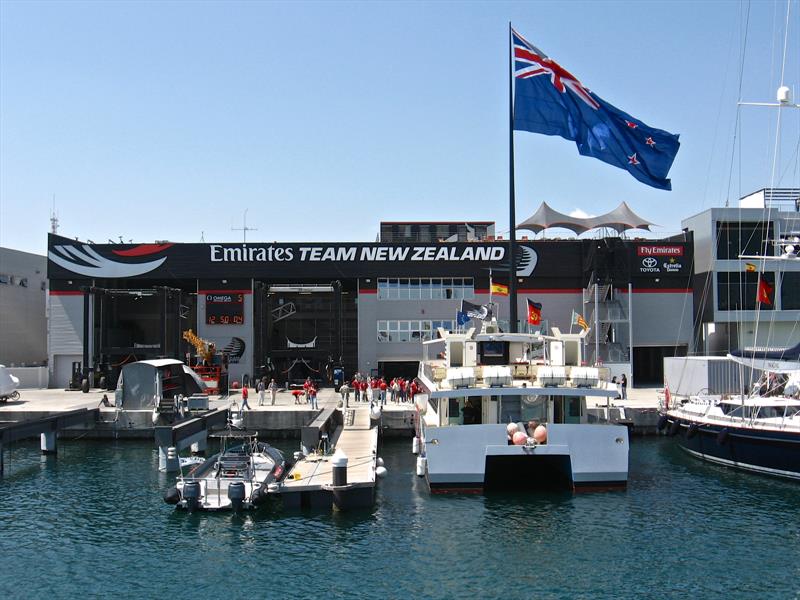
{"x":236,"y":478}
{"x":757,"y":431}
{"x":509,"y":411}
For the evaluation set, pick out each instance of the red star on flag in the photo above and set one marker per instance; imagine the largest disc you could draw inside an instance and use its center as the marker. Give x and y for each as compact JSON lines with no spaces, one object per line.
{"x":631,"y":125}
{"x":650,"y":142}
{"x":632,"y":160}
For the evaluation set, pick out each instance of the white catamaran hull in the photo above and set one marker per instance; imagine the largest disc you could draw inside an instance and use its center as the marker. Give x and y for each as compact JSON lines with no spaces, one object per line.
{"x":475,"y":458}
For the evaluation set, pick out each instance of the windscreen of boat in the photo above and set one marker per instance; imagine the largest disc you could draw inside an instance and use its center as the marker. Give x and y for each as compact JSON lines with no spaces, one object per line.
{"x":736,"y":411}
{"x":534,"y":408}
{"x":777,"y":412}
{"x":510,"y":409}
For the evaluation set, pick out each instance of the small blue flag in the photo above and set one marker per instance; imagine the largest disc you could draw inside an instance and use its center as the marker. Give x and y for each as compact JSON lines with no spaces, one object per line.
{"x":548,"y":99}
{"x":462,"y":318}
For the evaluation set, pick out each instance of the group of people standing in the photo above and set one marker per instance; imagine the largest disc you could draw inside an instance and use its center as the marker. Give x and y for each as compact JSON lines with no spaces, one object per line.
{"x":262,"y":387}
{"x":363,"y":388}
{"x":622,"y":386}
{"x":377,"y":389}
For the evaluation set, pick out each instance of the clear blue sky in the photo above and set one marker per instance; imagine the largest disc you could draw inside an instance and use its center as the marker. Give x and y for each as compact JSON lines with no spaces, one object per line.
{"x":165,"y":120}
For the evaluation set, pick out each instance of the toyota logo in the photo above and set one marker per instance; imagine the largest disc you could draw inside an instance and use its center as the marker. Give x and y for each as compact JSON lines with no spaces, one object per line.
{"x":649,"y":262}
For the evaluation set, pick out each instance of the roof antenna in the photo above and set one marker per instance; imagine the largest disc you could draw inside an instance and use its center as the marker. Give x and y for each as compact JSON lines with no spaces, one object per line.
{"x":54,"y":218}
{"x":244,"y":228}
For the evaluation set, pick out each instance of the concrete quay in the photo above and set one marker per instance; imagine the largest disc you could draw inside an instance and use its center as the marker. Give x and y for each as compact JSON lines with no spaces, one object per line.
{"x":285,"y":418}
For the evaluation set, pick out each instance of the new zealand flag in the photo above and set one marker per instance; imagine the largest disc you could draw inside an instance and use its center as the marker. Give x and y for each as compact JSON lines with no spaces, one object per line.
{"x":548,"y":99}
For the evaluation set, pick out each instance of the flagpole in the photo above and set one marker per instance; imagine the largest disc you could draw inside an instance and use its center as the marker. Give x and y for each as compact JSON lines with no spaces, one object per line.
{"x":512,"y":220}
{"x":490,"y":287}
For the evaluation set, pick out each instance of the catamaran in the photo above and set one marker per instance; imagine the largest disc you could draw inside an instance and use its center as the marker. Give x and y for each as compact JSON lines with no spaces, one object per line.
{"x":509,"y":411}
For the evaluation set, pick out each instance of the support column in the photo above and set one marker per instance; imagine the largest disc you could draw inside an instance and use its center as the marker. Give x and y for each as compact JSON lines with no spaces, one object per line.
{"x":596,"y":325}
{"x":200,"y":447}
{"x":168,"y":460}
{"x":86,"y":333}
{"x":339,"y":464}
{"x":630,"y":333}
{"x":48,"y":442}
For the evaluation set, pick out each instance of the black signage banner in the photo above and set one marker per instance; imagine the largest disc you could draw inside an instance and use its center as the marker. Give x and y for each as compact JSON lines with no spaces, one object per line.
{"x":540,"y":263}
{"x":70,"y":259}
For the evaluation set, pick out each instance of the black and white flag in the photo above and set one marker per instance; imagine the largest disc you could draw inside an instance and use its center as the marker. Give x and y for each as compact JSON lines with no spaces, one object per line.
{"x":476,"y":311}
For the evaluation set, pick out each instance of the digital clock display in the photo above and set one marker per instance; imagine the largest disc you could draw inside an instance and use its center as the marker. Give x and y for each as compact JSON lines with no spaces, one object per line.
{"x":224,"y":309}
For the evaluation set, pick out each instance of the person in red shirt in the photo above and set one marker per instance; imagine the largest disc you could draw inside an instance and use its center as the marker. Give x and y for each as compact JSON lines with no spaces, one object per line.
{"x":364,"y":391}
{"x":307,"y":385}
{"x":356,"y":387}
{"x":245,"y":393}
{"x":413,"y":389}
{"x":312,"y":396}
{"x":402,"y":390}
{"x":383,"y":387}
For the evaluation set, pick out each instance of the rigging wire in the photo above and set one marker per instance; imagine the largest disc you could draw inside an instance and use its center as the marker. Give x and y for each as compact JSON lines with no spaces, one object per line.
{"x":775,"y":158}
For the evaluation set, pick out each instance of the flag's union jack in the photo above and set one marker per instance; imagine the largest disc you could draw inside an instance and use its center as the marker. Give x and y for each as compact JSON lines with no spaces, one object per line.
{"x":532,"y":62}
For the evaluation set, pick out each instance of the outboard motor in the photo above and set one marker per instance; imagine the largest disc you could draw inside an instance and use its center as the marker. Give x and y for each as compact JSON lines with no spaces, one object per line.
{"x":172,"y":496}
{"x":236,"y":494}
{"x":191,"y":493}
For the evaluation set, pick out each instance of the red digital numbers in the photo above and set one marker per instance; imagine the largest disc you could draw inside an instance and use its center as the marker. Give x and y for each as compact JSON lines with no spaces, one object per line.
{"x":218,"y":317}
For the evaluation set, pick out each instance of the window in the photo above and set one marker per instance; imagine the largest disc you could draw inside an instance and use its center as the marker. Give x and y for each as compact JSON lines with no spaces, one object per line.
{"x":737,"y":291}
{"x":450,"y":288}
{"x":402,"y":289}
{"x":735,"y":239}
{"x":413,"y":289}
{"x":790,"y":291}
{"x":410,"y":330}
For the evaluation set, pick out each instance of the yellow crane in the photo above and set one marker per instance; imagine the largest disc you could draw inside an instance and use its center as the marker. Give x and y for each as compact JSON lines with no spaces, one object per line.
{"x":205,"y":349}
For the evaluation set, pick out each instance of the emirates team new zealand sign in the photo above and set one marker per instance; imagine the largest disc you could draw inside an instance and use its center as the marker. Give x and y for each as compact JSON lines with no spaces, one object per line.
{"x":70,"y":259}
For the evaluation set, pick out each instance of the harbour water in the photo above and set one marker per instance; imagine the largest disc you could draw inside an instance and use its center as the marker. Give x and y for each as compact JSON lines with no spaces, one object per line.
{"x":92,"y":523}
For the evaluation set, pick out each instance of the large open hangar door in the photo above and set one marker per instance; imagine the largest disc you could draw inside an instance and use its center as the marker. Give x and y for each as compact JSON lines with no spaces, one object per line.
{"x":136,"y":324}
{"x":305,"y":329}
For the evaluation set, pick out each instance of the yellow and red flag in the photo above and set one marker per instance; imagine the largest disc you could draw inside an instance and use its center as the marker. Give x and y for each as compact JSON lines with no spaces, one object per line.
{"x":499,"y":289}
{"x":750,"y":267}
{"x":577,"y":319}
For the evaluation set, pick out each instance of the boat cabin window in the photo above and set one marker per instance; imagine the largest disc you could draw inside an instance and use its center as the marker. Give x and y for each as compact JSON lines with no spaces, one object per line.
{"x":510,"y":410}
{"x":471,"y":413}
{"x":454,"y":411}
{"x":493,"y":353}
{"x":461,"y":411}
{"x":770,"y":412}
{"x":567,"y":409}
{"x":534,"y":408}
{"x":736,"y":412}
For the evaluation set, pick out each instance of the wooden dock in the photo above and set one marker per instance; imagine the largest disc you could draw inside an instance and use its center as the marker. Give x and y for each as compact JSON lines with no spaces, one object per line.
{"x":310,"y":481}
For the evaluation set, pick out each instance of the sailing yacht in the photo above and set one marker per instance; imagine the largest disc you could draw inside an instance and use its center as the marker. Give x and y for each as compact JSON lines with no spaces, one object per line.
{"x":757,"y":431}
{"x":758,"y":428}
